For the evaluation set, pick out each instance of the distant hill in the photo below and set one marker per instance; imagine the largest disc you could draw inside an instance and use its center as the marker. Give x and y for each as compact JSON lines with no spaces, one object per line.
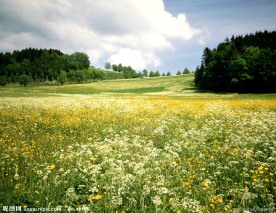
{"x":241,"y":64}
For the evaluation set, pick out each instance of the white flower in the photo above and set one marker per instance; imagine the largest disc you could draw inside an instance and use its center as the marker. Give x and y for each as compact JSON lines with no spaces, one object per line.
{"x":16,"y":176}
{"x":39,"y":172}
{"x":164,"y":190}
{"x":156,"y":200}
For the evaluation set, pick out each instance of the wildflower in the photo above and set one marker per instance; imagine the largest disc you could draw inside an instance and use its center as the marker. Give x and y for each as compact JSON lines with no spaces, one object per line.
{"x":173,"y":164}
{"x":164,"y":190}
{"x":17,"y":186}
{"x":70,"y":191}
{"x":96,"y":197}
{"x":206,"y":185}
{"x":37,"y":192}
{"x":39,"y":172}
{"x":16,"y":176}
{"x":220,"y":200}
{"x":214,"y":199}
{"x":52,"y":166}
{"x":260,"y":168}
{"x":156,"y":200}
{"x":93,"y":159}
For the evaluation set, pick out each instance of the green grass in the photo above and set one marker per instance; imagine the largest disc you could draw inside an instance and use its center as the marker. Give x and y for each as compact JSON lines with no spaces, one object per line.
{"x":175,"y":84}
{"x":114,"y":75}
{"x":168,"y":87}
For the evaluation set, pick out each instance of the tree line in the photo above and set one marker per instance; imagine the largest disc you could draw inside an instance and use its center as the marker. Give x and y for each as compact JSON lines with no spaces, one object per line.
{"x":46,"y":65}
{"x":51,"y":66}
{"x":131,"y":73}
{"x":240,"y":64}
{"x":128,"y":71}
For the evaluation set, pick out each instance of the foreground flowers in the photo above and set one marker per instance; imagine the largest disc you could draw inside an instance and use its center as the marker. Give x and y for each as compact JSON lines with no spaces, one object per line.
{"x":145,"y":154}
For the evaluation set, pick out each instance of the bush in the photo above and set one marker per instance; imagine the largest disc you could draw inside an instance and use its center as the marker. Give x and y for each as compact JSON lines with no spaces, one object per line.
{"x":62,"y":77}
{"x":3,"y":81}
{"x":24,"y":80}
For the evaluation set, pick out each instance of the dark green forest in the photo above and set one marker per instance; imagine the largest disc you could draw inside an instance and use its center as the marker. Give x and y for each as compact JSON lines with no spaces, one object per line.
{"x":51,"y":65}
{"x":241,"y":64}
{"x":42,"y":65}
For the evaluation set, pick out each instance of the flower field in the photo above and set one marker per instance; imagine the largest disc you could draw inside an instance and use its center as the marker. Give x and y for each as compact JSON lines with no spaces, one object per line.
{"x":138,"y":154}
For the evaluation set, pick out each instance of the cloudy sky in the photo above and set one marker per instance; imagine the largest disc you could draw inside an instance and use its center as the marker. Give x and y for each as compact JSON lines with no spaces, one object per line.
{"x":164,"y":35}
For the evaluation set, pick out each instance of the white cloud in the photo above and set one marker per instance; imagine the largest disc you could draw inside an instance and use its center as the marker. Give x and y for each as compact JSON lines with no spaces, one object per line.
{"x":136,"y":58}
{"x":130,"y":32}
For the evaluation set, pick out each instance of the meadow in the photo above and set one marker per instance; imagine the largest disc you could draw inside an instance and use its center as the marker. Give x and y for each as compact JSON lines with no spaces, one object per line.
{"x":142,"y":145}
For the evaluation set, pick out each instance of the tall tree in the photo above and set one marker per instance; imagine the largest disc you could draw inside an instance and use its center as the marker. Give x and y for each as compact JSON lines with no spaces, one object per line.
{"x":145,"y":73}
{"x":107,"y":66}
{"x":81,"y":59}
{"x":240,"y":64}
{"x":186,"y":71}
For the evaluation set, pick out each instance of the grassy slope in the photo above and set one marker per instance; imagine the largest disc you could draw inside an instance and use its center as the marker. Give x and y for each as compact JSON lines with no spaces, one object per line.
{"x":173,"y":87}
{"x":114,"y":75}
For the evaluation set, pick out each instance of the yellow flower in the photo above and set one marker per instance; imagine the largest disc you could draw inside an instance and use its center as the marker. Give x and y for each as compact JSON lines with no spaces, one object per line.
{"x":96,"y":197}
{"x":214,"y":199}
{"x":220,"y":200}
{"x":52,"y":166}
{"x":260,"y":168}
{"x":93,"y":158}
{"x":206,"y":184}
{"x":37,"y":192}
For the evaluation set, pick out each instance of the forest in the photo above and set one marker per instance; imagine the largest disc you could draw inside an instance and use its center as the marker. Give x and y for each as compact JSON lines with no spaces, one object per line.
{"x":46,"y":65}
{"x":51,"y":66}
{"x":241,"y":64}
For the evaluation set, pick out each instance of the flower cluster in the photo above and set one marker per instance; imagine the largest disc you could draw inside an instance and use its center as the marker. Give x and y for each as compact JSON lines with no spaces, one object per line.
{"x":143,"y":154}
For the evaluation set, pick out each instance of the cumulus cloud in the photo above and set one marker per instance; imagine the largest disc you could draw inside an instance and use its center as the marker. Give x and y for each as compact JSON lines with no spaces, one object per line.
{"x":130,"y":32}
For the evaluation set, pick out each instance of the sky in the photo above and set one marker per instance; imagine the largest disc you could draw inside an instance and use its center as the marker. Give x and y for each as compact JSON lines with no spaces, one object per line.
{"x":163,"y":35}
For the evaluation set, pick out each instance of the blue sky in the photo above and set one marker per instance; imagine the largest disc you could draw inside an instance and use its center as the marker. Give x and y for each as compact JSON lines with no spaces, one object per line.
{"x":163,"y":35}
{"x":218,"y":20}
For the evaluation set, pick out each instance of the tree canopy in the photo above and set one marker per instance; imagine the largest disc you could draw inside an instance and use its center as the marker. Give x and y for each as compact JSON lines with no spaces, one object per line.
{"x":240,"y":64}
{"x":42,"y":65}
{"x":128,"y":71}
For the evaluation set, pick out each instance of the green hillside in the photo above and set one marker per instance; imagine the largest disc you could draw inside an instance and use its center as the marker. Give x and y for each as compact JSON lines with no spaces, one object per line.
{"x":114,"y":75}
